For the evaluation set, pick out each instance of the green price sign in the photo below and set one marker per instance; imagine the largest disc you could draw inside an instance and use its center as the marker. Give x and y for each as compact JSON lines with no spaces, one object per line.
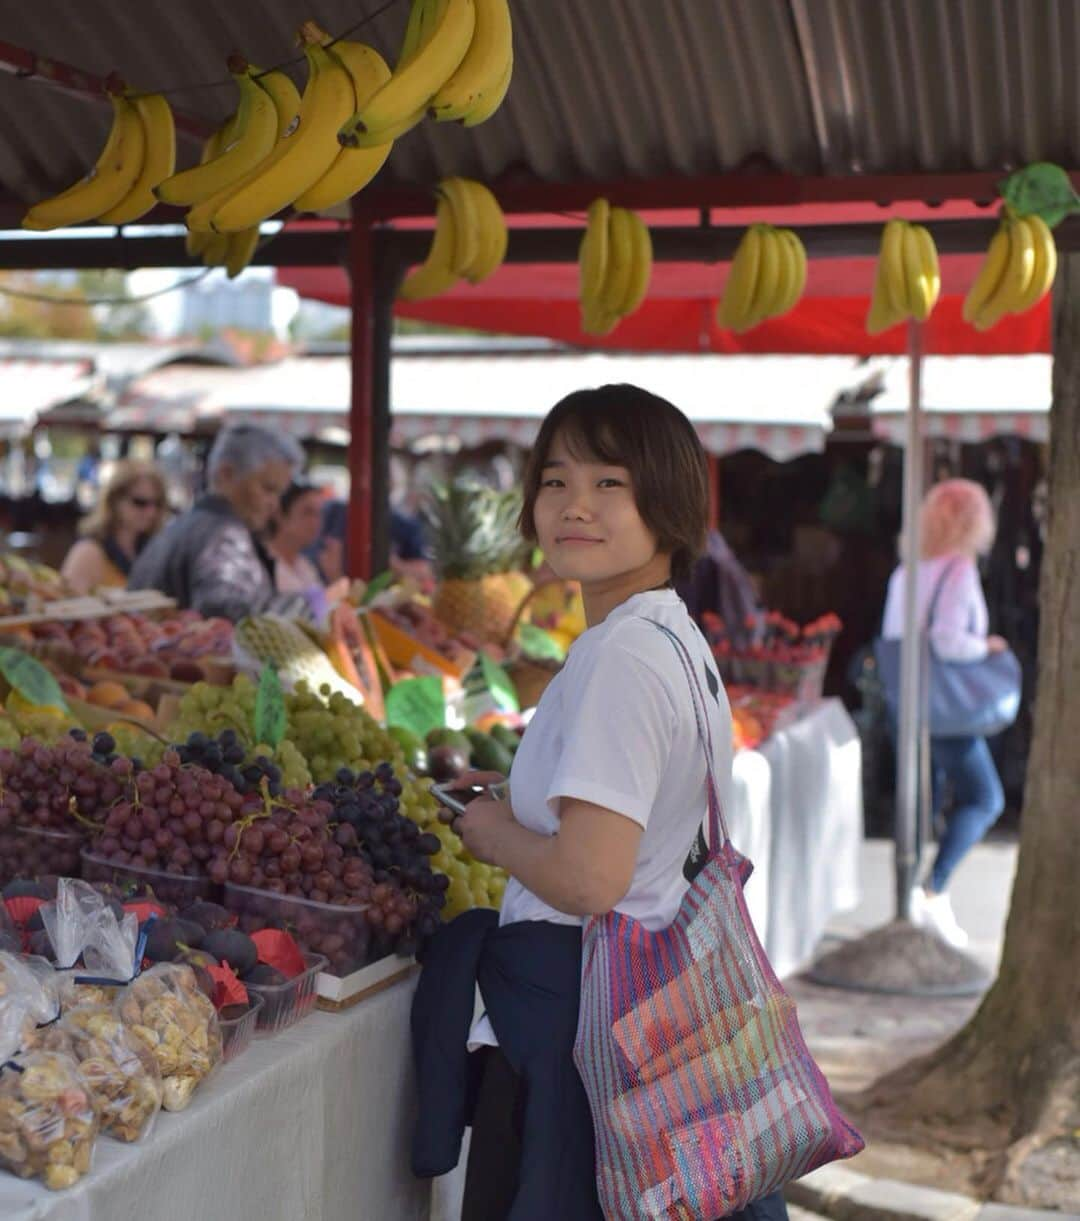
{"x":30,"y":678}
{"x":417,"y":704}
{"x":271,"y":720}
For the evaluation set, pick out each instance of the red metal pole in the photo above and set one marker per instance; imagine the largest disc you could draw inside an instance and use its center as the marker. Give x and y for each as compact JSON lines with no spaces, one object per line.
{"x":359,"y":561}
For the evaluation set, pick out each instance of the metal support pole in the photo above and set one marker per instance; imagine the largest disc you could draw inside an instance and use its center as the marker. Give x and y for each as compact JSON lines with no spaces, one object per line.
{"x":907,"y":753}
{"x":375,"y":274}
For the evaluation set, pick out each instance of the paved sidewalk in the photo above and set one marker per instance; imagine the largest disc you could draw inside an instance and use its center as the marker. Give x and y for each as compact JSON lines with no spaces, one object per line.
{"x":858,"y":1036}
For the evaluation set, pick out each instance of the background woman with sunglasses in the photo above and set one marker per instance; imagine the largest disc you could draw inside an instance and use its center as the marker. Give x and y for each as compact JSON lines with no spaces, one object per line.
{"x":130,"y":512}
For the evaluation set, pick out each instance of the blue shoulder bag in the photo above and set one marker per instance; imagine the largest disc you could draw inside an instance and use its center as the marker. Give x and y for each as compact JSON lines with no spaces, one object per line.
{"x":964,"y":699}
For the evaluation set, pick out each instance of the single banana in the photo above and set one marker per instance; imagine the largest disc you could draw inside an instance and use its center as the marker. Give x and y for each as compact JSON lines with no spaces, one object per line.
{"x":484,"y":66}
{"x":367,"y":139}
{"x":620,"y":266}
{"x":435,"y":275}
{"x":256,"y":132}
{"x":196,"y":239}
{"x":767,"y":278}
{"x":412,"y":87}
{"x":491,"y":101}
{"x":894,"y":277}
{"x":595,"y":320}
{"x":641,"y":265}
{"x":216,"y":249}
{"x":931,"y":270}
{"x":1042,"y":277}
{"x":493,"y":234}
{"x":286,"y":99}
{"x":466,"y":224}
{"x":110,"y":181}
{"x":593,"y":252}
{"x":302,"y":158}
{"x":883,"y":315}
{"x":798,"y":256}
{"x":742,"y":281}
{"x":989,"y":277}
{"x":1015,"y":280}
{"x":239,"y":249}
{"x":353,"y":168}
{"x":285,"y":96}
{"x":786,"y":276}
{"x":916,"y":280}
{"x":159,"y":159}
{"x":413,"y":32}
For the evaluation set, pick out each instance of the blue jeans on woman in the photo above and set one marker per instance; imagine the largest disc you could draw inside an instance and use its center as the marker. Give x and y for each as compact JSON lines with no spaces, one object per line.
{"x":967,"y":766}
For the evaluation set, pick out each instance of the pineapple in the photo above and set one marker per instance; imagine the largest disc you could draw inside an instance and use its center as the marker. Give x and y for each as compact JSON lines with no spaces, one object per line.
{"x":478,"y":553}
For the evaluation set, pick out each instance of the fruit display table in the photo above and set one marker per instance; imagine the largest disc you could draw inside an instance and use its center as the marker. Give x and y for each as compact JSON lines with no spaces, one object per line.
{"x":313,"y":1122}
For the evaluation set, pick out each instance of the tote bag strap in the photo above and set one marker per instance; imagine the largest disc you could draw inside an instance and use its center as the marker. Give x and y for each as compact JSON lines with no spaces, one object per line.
{"x":941,"y":581}
{"x":718,"y":830}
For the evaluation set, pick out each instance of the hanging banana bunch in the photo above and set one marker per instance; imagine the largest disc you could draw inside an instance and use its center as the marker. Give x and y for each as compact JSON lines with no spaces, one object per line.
{"x":469,"y":242}
{"x":139,"y":153}
{"x":907,"y":279}
{"x":767,"y":278}
{"x":455,"y":64}
{"x":1016,"y":274}
{"x":614,"y":266}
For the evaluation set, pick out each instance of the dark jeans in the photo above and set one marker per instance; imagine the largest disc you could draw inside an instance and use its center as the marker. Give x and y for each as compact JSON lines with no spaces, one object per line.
{"x":495,"y":1151}
{"x":966,"y":766}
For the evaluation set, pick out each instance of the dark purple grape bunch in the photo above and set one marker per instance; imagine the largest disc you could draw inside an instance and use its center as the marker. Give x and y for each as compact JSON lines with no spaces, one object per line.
{"x":224,"y":756}
{"x":63,"y":786}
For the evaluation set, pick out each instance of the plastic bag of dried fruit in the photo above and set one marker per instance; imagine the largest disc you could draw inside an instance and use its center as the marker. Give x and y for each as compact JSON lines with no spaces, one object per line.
{"x":165,"y":1008}
{"x":117,"y":1066}
{"x":48,"y":1121}
{"x":81,"y":924}
{"x":28,"y":1000}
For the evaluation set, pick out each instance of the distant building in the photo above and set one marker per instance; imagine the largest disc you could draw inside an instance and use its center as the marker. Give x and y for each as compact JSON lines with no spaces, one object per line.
{"x":214,"y":304}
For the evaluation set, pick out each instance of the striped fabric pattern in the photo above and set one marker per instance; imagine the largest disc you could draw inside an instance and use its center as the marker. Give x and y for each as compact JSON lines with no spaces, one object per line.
{"x":703,"y":1093}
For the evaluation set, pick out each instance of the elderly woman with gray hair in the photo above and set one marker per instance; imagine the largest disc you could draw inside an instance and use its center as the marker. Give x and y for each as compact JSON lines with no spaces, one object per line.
{"x":210,"y":558}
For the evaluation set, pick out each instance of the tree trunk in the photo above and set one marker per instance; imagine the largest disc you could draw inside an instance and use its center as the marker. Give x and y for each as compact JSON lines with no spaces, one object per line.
{"x":1009,"y":1082}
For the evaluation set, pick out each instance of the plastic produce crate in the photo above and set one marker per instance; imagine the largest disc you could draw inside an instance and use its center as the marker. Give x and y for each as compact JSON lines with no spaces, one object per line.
{"x":285,"y":1004}
{"x":177,"y":889}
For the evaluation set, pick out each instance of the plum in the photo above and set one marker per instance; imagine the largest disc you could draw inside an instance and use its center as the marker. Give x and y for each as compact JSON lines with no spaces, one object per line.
{"x":233,"y":947}
{"x":165,"y":939}
{"x":264,"y":975}
{"x":25,"y":888}
{"x":41,"y":944}
{"x":209,"y":916}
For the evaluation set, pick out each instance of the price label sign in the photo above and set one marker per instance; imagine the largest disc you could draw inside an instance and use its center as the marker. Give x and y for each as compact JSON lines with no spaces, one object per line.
{"x":417,"y":704}
{"x":271,"y":720}
{"x":498,"y":683}
{"x":31,"y":679}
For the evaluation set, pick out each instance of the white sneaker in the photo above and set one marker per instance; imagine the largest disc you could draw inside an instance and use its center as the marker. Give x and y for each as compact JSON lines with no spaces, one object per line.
{"x":934,"y":912}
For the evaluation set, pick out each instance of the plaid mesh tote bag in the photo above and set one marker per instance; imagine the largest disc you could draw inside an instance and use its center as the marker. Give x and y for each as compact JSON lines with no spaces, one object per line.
{"x":703,"y":1094}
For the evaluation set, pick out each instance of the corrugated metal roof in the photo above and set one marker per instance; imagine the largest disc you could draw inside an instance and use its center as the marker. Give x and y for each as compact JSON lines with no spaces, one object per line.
{"x":614,"y":89}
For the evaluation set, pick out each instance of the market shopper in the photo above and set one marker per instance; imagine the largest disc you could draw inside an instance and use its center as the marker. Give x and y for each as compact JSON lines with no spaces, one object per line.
{"x":210,"y":558}
{"x":606,"y":798}
{"x":293,"y":529}
{"x":956,"y":526}
{"x":129,"y":512}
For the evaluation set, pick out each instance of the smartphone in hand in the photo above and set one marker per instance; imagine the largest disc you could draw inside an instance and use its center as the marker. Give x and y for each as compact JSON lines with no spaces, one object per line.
{"x":455,"y":797}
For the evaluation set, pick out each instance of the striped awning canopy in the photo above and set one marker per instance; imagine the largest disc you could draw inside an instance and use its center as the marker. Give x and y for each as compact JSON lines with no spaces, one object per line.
{"x":28,"y":388}
{"x":967,"y":398}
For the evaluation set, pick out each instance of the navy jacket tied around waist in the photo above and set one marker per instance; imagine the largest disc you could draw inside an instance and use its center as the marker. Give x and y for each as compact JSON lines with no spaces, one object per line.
{"x":530,"y":979}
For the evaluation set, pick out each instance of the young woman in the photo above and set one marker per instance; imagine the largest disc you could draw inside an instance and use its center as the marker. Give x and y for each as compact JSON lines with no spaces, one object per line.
{"x":130,"y":512}
{"x":607,"y":796}
{"x":293,"y":530}
{"x":956,"y":526}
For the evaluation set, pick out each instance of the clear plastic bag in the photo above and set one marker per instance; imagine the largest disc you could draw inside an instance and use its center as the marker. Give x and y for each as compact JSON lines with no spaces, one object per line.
{"x":81,"y":924}
{"x":118,"y":1068}
{"x":48,"y":1121}
{"x":28,"y":999}
{"x":165,"y":1008}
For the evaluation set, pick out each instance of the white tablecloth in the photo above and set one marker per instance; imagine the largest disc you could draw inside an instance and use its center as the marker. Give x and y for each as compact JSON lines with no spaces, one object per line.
{"x":798,"y":816}
{"x":312,"y":1124}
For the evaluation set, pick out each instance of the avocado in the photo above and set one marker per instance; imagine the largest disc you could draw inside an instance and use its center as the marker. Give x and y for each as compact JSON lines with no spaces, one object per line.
{"x":506,"y":737}
{"x":476,"y":736}
{"x":450,"y":737}
{"x":412,"y":747}
{"x":490,"y":756}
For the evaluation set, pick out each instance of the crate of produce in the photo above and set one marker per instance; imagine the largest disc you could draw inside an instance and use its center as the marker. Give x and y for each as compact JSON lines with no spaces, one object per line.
{"x":284,"y":1004}
{"x":237,"y":1032}
{"x":34,"y":852}
{"x":341,"y":934}
{"x":176,"y":889}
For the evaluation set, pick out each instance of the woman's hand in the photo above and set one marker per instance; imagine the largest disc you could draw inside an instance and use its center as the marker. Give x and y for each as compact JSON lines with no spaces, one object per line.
{"x":483,"y":824}
{"x":996,"y":644}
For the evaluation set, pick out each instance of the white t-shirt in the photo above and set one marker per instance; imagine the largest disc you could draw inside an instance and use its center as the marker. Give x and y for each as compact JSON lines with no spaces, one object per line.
{"x":616,"y":727}
{"x":958,"y":632}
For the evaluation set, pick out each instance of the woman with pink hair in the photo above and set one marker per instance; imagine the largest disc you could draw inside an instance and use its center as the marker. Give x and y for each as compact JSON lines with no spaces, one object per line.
{"x":956,"y":526}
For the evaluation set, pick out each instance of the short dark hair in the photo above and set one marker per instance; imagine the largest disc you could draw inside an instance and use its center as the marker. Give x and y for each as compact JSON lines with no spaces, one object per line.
{"x":626,"y":426}
{"x":296,"y":489}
